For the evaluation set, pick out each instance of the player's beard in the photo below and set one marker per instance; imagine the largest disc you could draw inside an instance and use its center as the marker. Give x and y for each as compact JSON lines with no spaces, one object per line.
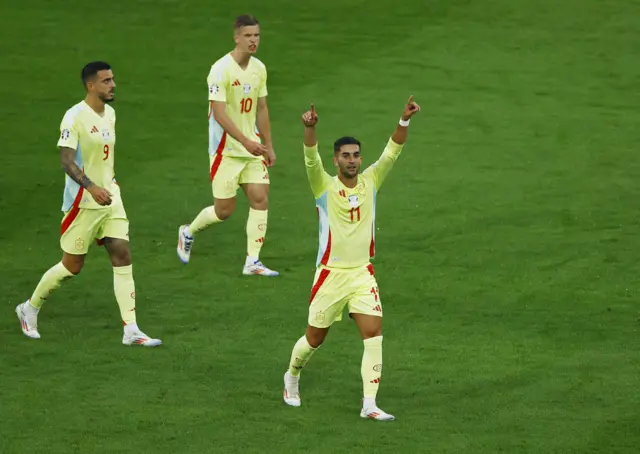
{"x":107,"y":100}
{"x":350,"y":173}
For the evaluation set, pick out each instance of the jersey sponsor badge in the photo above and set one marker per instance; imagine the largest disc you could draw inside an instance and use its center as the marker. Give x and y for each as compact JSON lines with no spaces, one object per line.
{"x":354,"y":201}
{"x":65,"y":134}
{"x":246,"y":88}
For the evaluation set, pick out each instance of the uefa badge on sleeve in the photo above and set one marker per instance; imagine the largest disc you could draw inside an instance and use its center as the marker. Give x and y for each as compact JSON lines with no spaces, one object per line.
{"x":213,"y":89}
{"x":65,"y":134}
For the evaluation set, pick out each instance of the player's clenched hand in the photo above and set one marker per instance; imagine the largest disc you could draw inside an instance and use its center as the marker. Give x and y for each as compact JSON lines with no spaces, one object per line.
{"x":270,"y":157}
{"x":255,"y":148}
{"x":310,"y":117}
{"x":100,"y":195}
{"x":410,"y":108}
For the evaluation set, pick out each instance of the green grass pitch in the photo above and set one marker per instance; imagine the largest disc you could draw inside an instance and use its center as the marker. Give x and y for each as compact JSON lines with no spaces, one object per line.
{"x":507,"y":245}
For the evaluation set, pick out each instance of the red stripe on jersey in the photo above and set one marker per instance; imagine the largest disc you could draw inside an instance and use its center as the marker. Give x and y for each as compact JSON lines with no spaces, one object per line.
{"x":327,"y":252}
{"x":73,"y":212}
{"x":370,"y":268}
{"x":372,"y":247}
{"x":323,"y":277}
{"x":218,"y":159}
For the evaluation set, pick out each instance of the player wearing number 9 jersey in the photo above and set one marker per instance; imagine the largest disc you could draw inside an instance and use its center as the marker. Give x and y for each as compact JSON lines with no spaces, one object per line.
{"x":344,"y":276}
{"x":238,"y":123}
{"x":92,"y":206}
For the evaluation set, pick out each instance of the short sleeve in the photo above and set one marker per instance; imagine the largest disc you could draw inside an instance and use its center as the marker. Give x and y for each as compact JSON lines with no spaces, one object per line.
{"x":68,"y":132}
{"x":218,"y":81}
{"x":263,"y":86}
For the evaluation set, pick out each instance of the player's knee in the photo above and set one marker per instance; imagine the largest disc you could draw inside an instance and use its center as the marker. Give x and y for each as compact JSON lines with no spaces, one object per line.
{"x":224,"y":210}
{"x":121,"y":258}
{"x":259,"y":199}
{"x":118,"y":250}
{"x":371,"y":332}
{"x":73,"y":263}
{"x":261,"y":204}
{"x":316,"y":336}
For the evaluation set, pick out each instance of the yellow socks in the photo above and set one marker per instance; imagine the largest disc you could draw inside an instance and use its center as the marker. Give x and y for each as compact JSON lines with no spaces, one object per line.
{"x":125,"y":291}
{"x":371,"y":366}
{"x":203,"y":220}
{"x":256,"y":231}
{"x":50,"y":281}
{"x":301,"y":353}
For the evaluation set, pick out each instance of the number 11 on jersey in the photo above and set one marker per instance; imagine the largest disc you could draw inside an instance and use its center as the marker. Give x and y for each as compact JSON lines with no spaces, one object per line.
{"x":355,"y":214}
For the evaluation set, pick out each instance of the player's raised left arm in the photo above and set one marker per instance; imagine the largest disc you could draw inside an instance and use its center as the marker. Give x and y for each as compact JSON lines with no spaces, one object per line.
{"x":264,"y":126}
{"x":381,"y":168}
{"x":402,"y":129}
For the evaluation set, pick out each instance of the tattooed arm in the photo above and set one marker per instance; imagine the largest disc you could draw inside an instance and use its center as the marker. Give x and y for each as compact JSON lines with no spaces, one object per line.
{"x":67,"y":159}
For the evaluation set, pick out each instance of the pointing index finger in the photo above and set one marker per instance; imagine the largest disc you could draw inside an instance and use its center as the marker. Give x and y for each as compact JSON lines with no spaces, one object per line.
{"x":410,"y":99}
{"x":313,"y":109}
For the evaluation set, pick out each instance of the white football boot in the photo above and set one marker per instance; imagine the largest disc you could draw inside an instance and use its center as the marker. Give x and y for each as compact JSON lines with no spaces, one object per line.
{"x":184,"y":244}
{"x":258,"y":269}
{"x":28,"y":317}
{"x":291,"y":391}
{"x":373,"y":412}
{"x":133,"y":336}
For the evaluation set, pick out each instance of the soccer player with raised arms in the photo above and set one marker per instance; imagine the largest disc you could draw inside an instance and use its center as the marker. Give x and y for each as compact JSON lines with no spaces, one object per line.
{"x":92,"y":205}
{"x":344,"y":276}
{"x":238,"y":123}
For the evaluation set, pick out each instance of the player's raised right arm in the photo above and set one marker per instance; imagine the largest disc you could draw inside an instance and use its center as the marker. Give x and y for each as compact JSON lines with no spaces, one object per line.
{"x":318,"y":178}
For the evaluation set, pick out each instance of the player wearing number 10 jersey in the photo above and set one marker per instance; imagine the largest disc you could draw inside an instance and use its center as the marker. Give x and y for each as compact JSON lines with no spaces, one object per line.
{"x":238,"y":120}
{"x":92,"y":205}
{"x":344,"y":276}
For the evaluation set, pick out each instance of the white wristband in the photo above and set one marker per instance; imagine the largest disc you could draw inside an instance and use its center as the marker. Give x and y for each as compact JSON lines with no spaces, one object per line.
{"x":404,"y":123}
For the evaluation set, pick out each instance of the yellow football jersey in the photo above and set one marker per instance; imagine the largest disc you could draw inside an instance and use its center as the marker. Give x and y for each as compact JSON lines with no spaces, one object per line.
{"x":240,"y":90}
{"x":93,"y":136}
{"x":347,"y":216}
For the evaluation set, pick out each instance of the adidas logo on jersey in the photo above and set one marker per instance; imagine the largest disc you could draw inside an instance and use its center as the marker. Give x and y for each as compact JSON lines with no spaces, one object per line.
{"x":94,"y":130}
{"x":236,"y":83}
